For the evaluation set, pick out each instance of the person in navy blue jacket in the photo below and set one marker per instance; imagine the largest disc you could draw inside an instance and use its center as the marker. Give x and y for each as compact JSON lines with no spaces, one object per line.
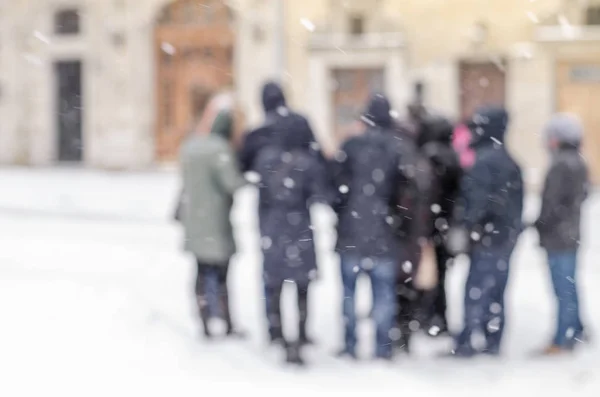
{"x":490,"y":208}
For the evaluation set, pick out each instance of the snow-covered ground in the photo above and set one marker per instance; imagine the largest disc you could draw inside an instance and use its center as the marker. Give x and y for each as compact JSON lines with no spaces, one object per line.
{"x":96,"y":299}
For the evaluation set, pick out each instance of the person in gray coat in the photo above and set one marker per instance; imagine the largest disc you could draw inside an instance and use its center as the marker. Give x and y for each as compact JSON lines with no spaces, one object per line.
{"x":559,"y":225}
{"x":211,"y":176}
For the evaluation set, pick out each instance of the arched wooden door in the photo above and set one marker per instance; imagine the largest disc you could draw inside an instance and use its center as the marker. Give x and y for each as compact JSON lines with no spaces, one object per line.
{"x":193,"y":42}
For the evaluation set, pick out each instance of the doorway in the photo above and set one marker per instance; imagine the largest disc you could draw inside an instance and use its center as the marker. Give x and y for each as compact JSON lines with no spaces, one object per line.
{"x":69,"y":106}
{"x":481,"y":84}
{"x":194,"y":45}
{"x":353,"y":87}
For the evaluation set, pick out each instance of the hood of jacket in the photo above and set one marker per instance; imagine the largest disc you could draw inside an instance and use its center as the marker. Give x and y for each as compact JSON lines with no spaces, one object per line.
{"x":223,"y":125}
{"x":488,"y":126}
{"x":272,"y":97}
{"x":378,"y":112}
{"x":435,"y":129}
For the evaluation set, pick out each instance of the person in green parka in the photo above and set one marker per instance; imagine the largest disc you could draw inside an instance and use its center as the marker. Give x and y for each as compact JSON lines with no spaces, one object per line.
{"x":210,"y":176}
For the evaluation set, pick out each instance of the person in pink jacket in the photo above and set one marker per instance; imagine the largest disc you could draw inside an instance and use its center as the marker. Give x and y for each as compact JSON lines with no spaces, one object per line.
{"x":461,"y":142}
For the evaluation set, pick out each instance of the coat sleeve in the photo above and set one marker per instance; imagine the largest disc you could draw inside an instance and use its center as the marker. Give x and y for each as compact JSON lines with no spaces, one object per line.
{"x":552,"y":197}
{"x":247,"y":152}
{"x":227,"y":171}
{"x":319,"y":187}
{"x":341,"y":177}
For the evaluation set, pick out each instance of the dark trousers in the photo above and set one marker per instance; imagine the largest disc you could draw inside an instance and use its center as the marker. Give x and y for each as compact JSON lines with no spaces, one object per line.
{"x":382,"y":273}
{"x":211,"y":289}
{"x":484,"y":299}
{"x":563,"y":267}
{"x":273,"y":293}
{"x":411,"y":312}
{"x":438,"y":301}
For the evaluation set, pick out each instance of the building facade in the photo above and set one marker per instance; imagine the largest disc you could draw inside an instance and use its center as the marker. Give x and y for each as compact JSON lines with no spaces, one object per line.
{"x":117,"y":83}
{"x":535,"y":57}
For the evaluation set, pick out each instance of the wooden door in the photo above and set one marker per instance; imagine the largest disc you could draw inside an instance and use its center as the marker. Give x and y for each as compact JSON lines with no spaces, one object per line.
{"x":194,"y":43}
{"x":352,"y":89}
{"x":481,"y":84}
{"x":579,"y":93}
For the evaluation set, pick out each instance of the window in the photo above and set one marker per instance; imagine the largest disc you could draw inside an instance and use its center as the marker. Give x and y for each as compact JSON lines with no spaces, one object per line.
{"x":357,"y":25}
{"x":585,"y":74}
{"x":67,"y":22}
{"x":592,"y":16}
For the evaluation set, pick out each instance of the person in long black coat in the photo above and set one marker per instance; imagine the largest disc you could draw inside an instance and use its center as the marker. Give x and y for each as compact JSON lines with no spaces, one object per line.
{"x":413,"y":229}
{"x":291,"y":180}
{"x":282,"y":127}
{"x":435,"y":143}
{"x":490,"y":208}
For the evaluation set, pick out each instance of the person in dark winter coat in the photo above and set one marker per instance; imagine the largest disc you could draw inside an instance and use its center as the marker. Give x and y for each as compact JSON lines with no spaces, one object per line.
{"x":367,"y":174}
{"x":435,"y":143}
{"x":283,"y":128}
{"x":413,"y":218}
{"x":559,"y":224}
{"x":291,"y":180}
{"x":491,"y":208}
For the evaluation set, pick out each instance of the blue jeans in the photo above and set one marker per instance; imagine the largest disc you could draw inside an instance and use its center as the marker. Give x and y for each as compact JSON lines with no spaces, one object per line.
{"x":484,"y":299}
{"x":563,"y":267}
{"x":382,"y":273}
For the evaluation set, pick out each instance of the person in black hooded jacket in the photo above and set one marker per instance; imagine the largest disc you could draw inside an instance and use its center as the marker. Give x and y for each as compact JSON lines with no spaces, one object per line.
{"x":367,"y":173}
{"x":435,"y":144}
{"x":282,"y":128}
{"x":490,"y":209}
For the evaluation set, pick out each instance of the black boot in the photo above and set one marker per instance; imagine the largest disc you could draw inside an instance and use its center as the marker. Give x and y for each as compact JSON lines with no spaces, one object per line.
{"x":437,"y":326}
{"x":235,"y":333}
{"x":403,"y":344}
{"x":303,"y":338}
{"x":276,"y":336}
{"x":293,"y":354}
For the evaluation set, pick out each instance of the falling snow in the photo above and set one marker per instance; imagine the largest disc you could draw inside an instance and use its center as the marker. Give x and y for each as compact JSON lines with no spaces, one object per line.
{"x":308,"y":25}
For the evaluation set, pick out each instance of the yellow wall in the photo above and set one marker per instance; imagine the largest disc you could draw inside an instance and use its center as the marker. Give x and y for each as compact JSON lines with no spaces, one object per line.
{"x":435,"y":30}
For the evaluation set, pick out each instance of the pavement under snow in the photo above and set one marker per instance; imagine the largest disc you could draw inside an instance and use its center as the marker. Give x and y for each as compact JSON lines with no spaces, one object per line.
{"x":96,"y":299}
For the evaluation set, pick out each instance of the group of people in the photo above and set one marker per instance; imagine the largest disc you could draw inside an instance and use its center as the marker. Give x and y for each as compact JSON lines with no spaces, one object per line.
{"x":409,"y":196}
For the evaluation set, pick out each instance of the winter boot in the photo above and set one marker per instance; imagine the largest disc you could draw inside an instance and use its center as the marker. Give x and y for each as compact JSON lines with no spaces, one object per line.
{"x":437,"y":327}
{"x":276,"y":336}
{"x":235,"y":333}
{"x":346,"y":352}
{"x":293,"y":354}
{"x":303,"y":338}
{"x":553,"y":350}
{"x":403,"y":344}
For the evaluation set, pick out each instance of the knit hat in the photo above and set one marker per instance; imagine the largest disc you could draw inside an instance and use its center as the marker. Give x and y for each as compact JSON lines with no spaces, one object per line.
{"x":565,"y":128}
